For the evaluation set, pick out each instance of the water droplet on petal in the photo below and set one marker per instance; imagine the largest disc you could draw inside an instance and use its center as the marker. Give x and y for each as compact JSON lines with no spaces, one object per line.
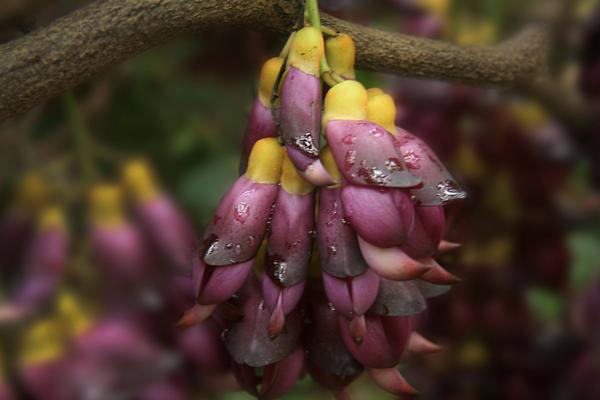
{"x":242,"y":210}
{"x":237,"y":249}
{"x":349,"y":139}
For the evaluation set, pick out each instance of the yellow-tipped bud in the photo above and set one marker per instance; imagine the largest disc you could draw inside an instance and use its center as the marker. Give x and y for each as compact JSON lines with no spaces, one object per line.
{"x":435,"y":7}
{"x":138,"y":179}
{"x":268,"y":76}
{"x":375,"y":91}
{"x":306,"y":50}
{"x":346,"y":100}
{"x":329,"y":163}
{"x":529,"y":114}
{"x":73,"y":314}
{"x":106,"y":206}
{"x":291,"y":181}
{"x":43,"y":342}
{"x":381,"y":109}
{"x":341,"y":53}
{"x":264,"y":164}
{"x":31,"y":193}
{"x":52,"y":217}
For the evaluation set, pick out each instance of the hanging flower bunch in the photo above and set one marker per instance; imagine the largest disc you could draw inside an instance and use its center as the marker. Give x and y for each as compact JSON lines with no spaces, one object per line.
{"x":323,"y":250}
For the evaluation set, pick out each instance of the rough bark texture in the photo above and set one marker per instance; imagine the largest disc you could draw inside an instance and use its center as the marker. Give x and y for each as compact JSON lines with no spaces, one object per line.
{"x":53,"y":59}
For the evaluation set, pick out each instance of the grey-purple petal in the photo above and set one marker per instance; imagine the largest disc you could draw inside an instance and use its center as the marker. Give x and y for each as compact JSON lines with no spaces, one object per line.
{"x":438,"y":185}
{"x":339,"y":252}
{"x":290,"y":239}
{"x":300,"y":116}
{"x":239,"y":223}
{"x":383,"y":217}
{"x":397,"y":298}
{"x":365,"y":155}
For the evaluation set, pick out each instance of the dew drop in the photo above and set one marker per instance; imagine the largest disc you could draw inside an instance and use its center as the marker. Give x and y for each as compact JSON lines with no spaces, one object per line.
{"x":349,"y":159}
{"x":229,"y":246}
{"x":449,"y":190}
{"x":237,"y":249}
{"x":331,"y":250}
{"x":242,"y":210}
{"x":349,"y":139}
{"x":306,"y":144}
{"x":261,"y":305}
{"x":225,"y":335}
{"x":376,"y":132}
{"x":331,"y":307}
{"x":251,"y":240}
{"x":412,"y":160}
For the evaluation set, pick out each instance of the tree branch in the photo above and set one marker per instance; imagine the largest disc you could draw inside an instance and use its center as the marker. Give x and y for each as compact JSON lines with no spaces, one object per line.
{"x":53,"y":59}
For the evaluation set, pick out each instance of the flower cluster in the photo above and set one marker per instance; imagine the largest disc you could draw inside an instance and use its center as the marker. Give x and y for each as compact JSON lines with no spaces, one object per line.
{"x":318,"y":257}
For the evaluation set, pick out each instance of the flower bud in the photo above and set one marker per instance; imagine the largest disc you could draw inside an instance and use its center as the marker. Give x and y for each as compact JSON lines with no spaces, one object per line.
{"x":338,"y":247}
{"x":345,"y":101}
{"x":240,"y":221}
{"x":341,"y":53}
{"x":289,"y":244}
{"x":248,"y":340}
{"x":383,"y":217}
{"x":300,"y":112}
{"x":260,"y":122}
{"x":438,"y":187}
{"x":43,"y":267}
{"x":161,"y":220}
{"x":117,"y":247}
{"x":365,"y":154}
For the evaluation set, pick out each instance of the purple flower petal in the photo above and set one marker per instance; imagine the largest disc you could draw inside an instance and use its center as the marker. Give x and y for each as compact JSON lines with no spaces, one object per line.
{"x":168,"y":231}
{"x":392,"y":262}
{"x":290,"y":240}
{"x":43,"y":267}
{"x":438,"y":187}
{"x":202,"y":346}
{"x":290,"y":295}
{"x":300,"y":116}
{"x":279,"y":378}
{"x":260,"y":125}
{"x":239,"y":224}
{"x":352,"y":296}
{"x":384,"y":342}
{"x":248,"y":340}
{"x":324,"y":346}
{"x":120,"y":254}
{"x":382,"y":217}
{"x":338,"y":247}
{"x":365,"y":154}
{"x":427,"y":232}
{"x":220,"y":283}
{"x":398,"y":298}
{"x":246,"y":377}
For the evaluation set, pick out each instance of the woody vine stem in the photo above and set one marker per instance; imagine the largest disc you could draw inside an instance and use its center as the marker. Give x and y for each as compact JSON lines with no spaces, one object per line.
{"x":53,"y":59}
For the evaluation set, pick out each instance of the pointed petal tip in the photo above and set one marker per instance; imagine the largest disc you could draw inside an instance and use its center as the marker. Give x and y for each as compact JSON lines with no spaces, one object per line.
{"x":195,"y":315}
{"x":438,"y":275}
{"x":392,"y":263}
{"x":358,"y":329}
{"x":417,"y":344}
{"x":318,"y":175}
{"x":390,"y":380}
{"x":446,"y":246}
{"x":277,"y":320}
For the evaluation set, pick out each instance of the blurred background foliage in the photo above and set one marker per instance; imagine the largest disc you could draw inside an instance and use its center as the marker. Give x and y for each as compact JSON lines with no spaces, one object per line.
{"x":530,"y":229}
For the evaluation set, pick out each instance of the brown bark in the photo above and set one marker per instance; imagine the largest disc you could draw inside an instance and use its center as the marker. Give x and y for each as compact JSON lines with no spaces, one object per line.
{"x":58,"y":57}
